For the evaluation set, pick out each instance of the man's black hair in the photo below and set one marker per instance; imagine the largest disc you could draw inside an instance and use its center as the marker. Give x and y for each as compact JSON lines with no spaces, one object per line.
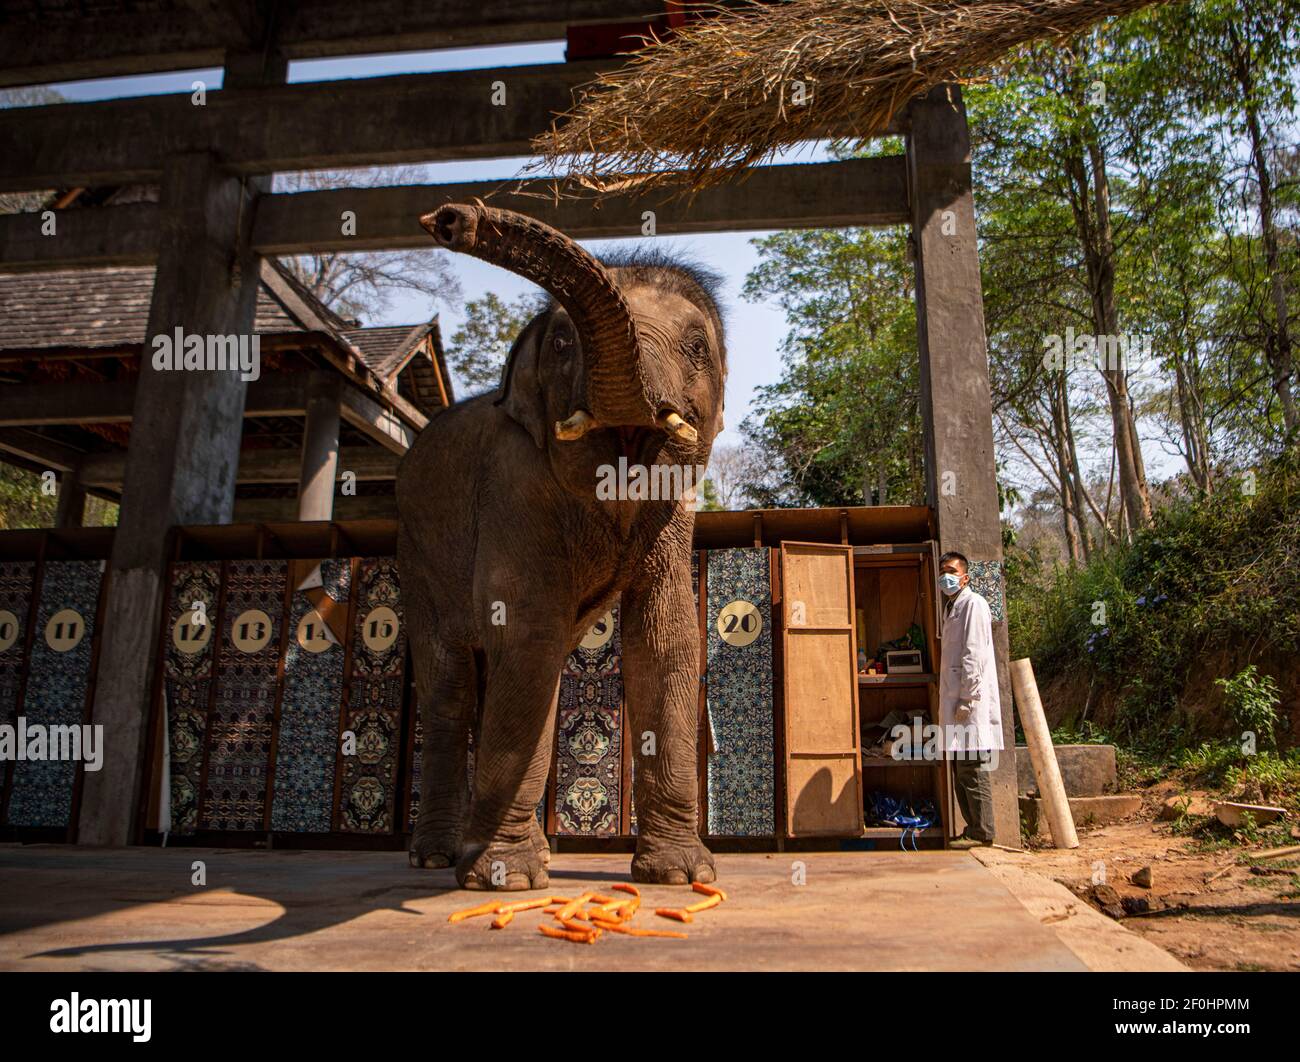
{"x":952,"y":554}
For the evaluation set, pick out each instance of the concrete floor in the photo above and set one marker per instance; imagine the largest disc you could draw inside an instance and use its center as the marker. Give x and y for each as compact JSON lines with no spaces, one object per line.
{"x":64,"y":908}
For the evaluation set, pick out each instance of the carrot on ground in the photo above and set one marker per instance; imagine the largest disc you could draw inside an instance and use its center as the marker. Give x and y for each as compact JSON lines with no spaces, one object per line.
{"x":576,"y":904}
{"x":670,"y":912}
{"x":568,"y":934}
{"x":490,"y":907}
{"x":624,"y":887}
{"x":503,"y":919}
{"x":526,"y":905}
{"x":708,"y":890}
{"x":703,"y":905}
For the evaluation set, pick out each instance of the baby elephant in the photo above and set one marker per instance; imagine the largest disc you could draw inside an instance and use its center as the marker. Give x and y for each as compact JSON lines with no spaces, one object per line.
{"x":524,"y":512}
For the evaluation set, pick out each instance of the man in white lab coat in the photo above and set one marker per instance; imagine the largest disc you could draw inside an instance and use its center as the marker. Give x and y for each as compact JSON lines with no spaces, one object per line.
{"x":970,"y":709}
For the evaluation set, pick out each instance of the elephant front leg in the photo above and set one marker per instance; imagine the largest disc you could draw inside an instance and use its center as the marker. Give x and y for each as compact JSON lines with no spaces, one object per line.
{"x":504,"y":845}
{"x":661,"y":681}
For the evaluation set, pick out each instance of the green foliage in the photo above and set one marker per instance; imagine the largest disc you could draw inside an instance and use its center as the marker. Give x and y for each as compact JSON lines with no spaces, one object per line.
{"x":22,"y":502}
{"x":479,"y":347}
{"x":843,"y":422}
{"x":1212,"y":573}
{"x":1252,"y":699}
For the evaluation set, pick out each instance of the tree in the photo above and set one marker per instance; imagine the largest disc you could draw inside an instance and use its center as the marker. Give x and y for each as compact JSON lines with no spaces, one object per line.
{"x":362,"y":284}
{"x":480,"y":345}
{"x":844,"y":419}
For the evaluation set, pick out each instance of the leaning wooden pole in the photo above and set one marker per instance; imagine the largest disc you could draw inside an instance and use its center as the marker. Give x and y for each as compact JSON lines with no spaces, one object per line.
{"x":1047,"y":773}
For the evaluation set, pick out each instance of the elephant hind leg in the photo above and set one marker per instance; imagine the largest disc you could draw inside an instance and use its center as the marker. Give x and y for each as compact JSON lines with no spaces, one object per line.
{"x":447,"y":685}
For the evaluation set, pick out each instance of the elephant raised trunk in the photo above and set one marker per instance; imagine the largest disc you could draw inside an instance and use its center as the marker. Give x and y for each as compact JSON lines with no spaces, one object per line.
{"x":617,"y":391}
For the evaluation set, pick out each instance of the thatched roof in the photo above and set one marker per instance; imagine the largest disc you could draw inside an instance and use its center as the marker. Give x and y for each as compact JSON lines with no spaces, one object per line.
{"x":720,"y":95}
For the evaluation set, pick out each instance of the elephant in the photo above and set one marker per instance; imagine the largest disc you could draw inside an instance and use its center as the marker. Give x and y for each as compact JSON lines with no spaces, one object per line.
{"x":509,"y":550}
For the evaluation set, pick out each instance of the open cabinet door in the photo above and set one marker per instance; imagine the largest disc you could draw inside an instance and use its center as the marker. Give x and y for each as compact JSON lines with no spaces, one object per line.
{"x":823,"y":764}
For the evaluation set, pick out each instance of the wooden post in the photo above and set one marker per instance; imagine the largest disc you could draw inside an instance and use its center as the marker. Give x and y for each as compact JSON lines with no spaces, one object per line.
{"x":181,"y":466}
{"x":956,"y":408}
{"x":1047,"y":772}
{"x":320,"y":449}
{"x":71,"y":510}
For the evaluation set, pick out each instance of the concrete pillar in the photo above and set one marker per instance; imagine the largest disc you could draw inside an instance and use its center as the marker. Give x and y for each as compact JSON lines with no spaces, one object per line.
{"x":320,"y":449}
{"x":71,"y":510}
{"x":180,"y":468}
{"x":955,"y":400}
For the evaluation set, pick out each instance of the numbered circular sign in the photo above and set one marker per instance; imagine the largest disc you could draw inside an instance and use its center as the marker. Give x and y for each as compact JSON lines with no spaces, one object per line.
{"x":739,"y":623}
{"x":251,"y":631}
{"x":190,"y":636}
{"x":599,"y":633}
{"x":313,"y":635}
{"x":8,"y":630}
{"x":65,"y":630}
{"x":379,"y":631}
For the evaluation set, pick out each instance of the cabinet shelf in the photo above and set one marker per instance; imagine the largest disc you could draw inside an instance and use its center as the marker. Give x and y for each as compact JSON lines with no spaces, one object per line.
{"x":868,"y":682}
{"x":895,"y":831}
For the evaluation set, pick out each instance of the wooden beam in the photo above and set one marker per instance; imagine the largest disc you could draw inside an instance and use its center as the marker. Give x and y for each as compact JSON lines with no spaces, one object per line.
{"x":359,"y":122}
{"x":53,"y":48}
{"x":871,"y":191}
{"x":88,"y":238}
{"x":285,"y":510}
{"x":367,"y":463}
{"x":382,"y":425}
{"x":113,"y":401}
{"x":37,"y":449}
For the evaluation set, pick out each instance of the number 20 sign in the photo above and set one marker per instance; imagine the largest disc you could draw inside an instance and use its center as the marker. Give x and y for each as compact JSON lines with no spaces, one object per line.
{"x":739,"y":623}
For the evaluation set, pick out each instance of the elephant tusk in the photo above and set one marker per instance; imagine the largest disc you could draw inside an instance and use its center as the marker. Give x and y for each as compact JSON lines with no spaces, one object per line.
{"x":575,"y":427}
{"x":674,"y":425}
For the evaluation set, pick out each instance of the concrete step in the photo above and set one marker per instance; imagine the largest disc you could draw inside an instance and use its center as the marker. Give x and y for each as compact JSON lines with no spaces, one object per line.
{"x":1087,"y":811}
{"x":1086,"y":770}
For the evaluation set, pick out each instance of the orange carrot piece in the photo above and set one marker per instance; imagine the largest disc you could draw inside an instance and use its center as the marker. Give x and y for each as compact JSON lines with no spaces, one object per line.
{"x":553,"y":910}
{"x":490,"y":907}
{"x":503,"y":919}
{"x":559,"y":899}
{"x":598,"y":898}
{"x":576,"y":904}
{"x":525,"y":905}
{"x":567,"y":934}
{"x":631,"y":932}
{"x":625,"y":887}
{"x":703,"y":905}
{"x":673,"y":913}
{"x":708,"y":890}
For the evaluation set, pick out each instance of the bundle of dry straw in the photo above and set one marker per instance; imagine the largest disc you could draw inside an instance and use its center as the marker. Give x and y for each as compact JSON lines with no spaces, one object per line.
{"x":732,"y":89}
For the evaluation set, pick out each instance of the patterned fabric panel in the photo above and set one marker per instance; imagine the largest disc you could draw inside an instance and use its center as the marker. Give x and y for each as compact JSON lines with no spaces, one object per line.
{"x":308,"y":739}
{"x":589,"y":745}
{"x":243,"y":714}
{"x":368,"y":799}
{"x":741,"y":771}
{"x":15,"y":602}
{"x":187,"y":677}
{"x":58,"y":677}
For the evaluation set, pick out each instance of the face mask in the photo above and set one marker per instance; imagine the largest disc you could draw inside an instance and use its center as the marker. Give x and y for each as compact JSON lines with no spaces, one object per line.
{"x":949,"y":583}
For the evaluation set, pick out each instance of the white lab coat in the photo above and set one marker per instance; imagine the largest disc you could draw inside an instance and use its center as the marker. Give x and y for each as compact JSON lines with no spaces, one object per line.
{"x":968,"y":672}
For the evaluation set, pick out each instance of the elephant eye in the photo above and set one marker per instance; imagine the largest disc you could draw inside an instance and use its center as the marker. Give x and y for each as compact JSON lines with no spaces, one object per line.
{"x":561,"y":342}
{"x":698,"y":352}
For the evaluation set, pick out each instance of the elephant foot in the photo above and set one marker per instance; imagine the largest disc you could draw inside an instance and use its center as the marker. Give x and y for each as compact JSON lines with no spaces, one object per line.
{"x":672,"y":863}
{"x":432,"y":850}
{"x":540,"y":842}
{"x":504,"y":867}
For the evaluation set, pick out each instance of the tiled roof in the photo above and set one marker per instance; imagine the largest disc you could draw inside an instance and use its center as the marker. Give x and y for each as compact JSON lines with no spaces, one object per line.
{"x":384,"y":347}
{"x":95,"y":308}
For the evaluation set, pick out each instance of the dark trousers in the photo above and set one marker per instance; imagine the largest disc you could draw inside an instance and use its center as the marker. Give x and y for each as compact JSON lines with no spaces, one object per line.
{"x":974,"y":789}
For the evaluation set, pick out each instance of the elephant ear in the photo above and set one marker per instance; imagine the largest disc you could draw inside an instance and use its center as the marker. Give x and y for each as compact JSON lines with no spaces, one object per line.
{"x":521,"y":383}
